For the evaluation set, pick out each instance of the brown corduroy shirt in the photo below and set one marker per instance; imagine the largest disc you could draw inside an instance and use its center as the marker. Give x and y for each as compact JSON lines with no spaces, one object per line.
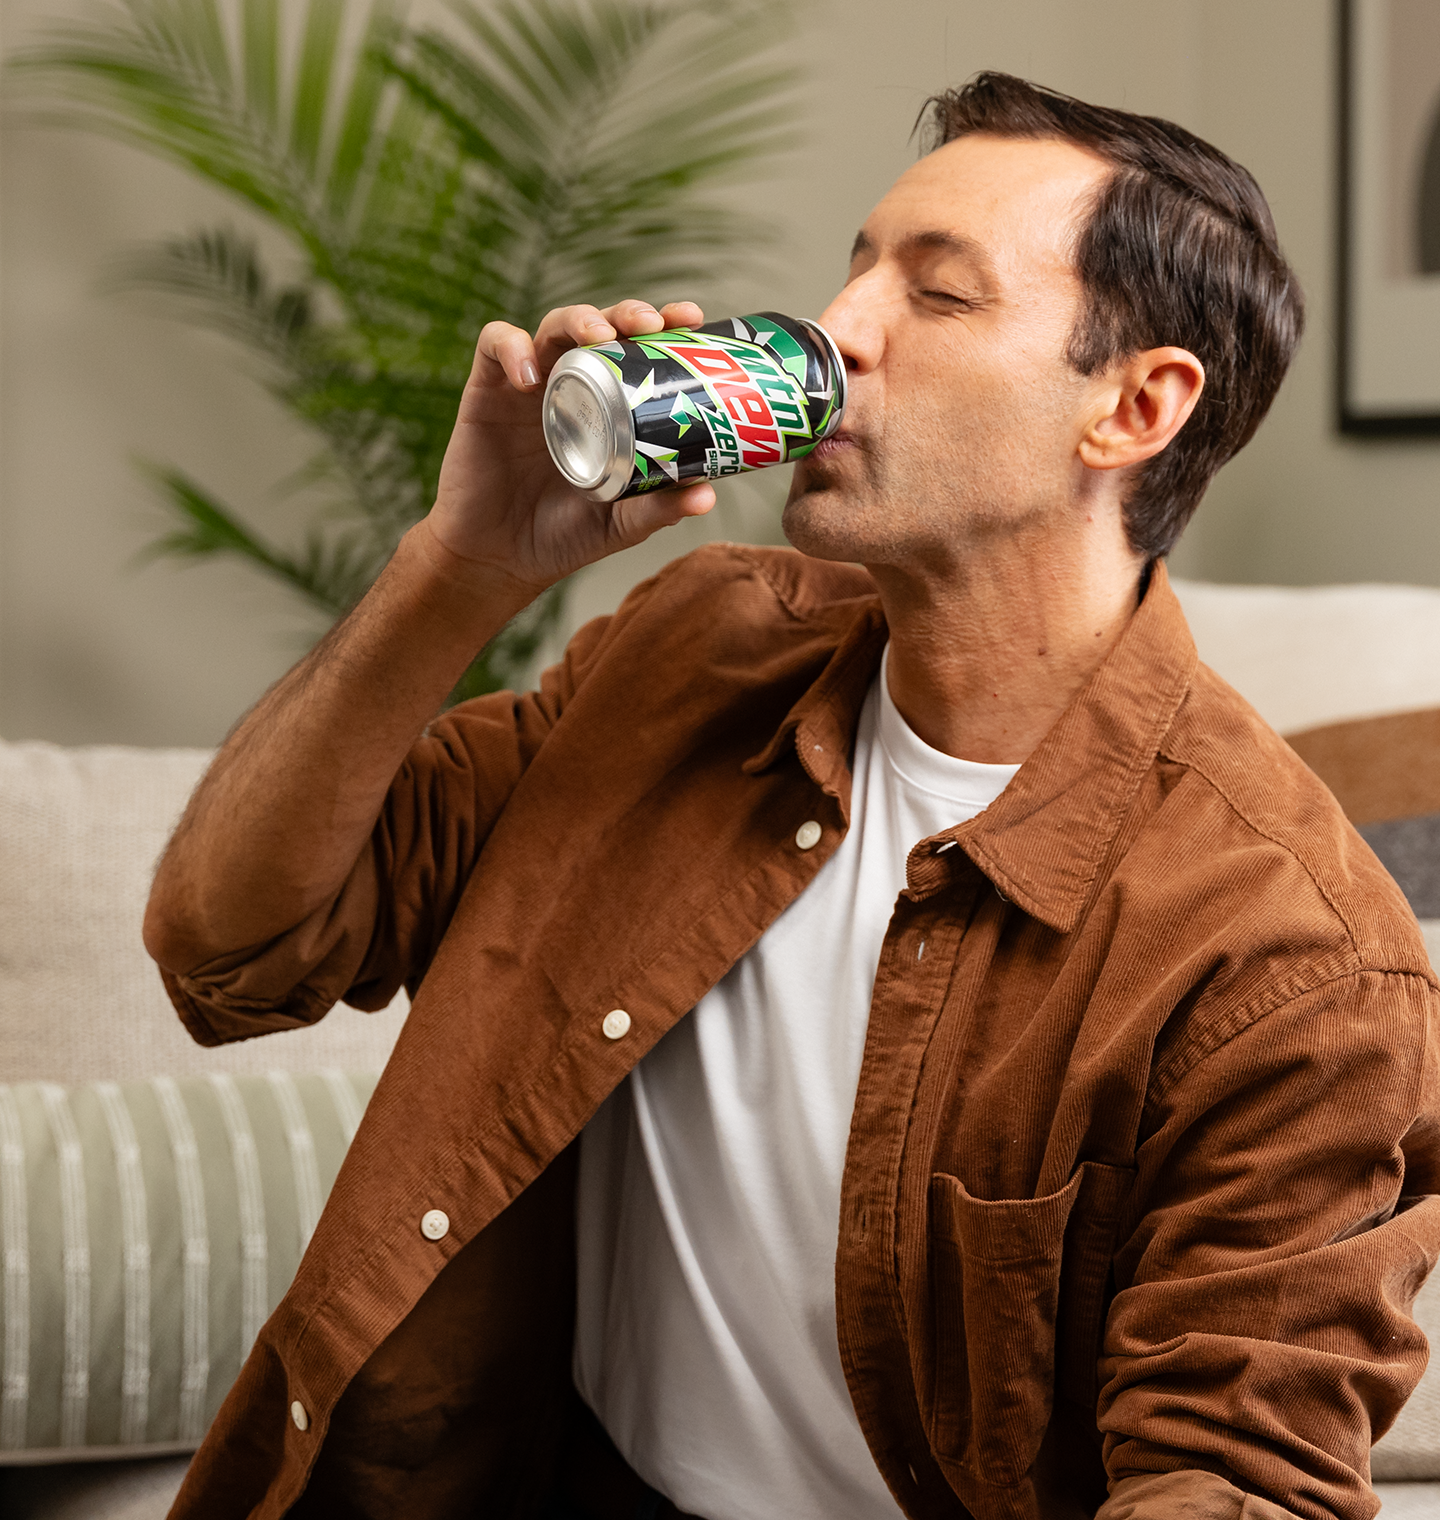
{"x":1135,"y":1186}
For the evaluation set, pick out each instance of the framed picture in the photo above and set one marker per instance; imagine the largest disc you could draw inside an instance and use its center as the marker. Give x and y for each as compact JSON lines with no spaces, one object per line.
{"x":1389,"y":217}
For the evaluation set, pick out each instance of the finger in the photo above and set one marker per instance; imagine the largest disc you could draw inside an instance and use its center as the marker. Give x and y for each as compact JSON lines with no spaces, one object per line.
{"x":694,"y":500}
{"x":636,"y":517}
{"x":632,"y":318}
{"x":681,"y":314}
{"x":505,"y":352}
{"x":569,"y":327}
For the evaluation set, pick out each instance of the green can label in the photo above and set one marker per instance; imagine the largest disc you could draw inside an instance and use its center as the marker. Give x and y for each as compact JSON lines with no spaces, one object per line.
{"x":740,"y":394}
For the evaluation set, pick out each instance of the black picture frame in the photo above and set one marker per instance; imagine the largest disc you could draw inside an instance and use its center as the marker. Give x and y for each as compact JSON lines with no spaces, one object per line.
{"x":1380,"y":392}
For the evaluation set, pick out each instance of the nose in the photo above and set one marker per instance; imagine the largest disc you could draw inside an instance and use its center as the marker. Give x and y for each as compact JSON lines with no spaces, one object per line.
{"x":855,"y":319}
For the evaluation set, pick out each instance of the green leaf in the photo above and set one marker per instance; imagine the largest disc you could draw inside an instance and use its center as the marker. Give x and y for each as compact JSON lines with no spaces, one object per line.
{"x":312,"y":81}
{"x":261,"y":32}
{"x":362,"y":120}
{"x":329,"y":576}
{"x":509,"y":158}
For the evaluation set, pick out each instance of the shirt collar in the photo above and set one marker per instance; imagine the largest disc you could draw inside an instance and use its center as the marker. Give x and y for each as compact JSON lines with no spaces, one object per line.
{"x":1042,"y":841}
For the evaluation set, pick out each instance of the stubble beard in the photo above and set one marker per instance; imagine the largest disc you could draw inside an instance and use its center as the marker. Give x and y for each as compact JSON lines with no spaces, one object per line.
{"x":854,"y":509}
{"x":836,"y":508}
{"x":870,"y":507}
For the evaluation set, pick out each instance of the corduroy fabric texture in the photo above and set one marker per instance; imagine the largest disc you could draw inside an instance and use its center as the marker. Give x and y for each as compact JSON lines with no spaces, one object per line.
{"x":1155,"y":1024}
{"x":1356,"y":670}
{"x":80,"y":1001}
{"x":1410,"y":1449}
{"x":1382,"y":770}
{"x":1325,"y":660}
{"x":148,"y":1231}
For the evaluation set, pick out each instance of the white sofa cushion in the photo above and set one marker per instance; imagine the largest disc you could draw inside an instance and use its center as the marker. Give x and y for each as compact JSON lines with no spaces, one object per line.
{"x":1306,"y":655}
{"x":80,"y":1000}
{"x":1398,"y":1501}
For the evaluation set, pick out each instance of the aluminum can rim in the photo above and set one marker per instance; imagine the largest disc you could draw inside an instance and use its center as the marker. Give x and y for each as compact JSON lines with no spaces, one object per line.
{"x":588,"y":368}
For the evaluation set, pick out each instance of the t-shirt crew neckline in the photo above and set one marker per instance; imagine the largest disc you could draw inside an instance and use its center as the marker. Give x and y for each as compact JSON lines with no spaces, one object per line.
{"x":971,"y":783}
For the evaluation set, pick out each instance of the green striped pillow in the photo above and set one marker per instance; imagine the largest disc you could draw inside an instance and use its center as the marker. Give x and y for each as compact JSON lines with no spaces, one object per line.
{"x":148,"y":1229}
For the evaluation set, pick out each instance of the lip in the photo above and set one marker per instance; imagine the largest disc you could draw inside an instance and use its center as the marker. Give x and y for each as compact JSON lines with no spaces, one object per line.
{"x":834,"y":445}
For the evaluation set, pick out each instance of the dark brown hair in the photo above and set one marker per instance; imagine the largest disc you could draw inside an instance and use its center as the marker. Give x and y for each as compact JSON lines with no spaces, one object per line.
{"x":1179,"y":249}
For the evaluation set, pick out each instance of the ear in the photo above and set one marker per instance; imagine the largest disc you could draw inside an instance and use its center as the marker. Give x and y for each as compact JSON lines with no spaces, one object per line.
{"x":1143,"y":403}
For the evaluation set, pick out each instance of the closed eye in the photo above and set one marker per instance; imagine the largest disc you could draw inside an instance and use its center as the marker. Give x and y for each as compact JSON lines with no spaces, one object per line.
{"x":950,"y":298}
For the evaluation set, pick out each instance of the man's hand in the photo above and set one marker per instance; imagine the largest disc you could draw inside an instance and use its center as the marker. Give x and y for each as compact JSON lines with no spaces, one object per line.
{"x":285,"y":810}
{"x":503,"y":509}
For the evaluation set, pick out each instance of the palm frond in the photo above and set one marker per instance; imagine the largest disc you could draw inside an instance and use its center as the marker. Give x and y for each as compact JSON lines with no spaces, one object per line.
{"x":221,"y":272}
{"x":597,"y":128}
{"x":313,"y":74}
{"x":165,"y":76}
{"x":260,"y":37}
{"x":517,"y":157}
{"x":331,"y":575}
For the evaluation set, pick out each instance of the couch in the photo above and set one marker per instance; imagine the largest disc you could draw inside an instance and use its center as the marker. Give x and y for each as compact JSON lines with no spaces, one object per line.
{"x":155,"y":1197}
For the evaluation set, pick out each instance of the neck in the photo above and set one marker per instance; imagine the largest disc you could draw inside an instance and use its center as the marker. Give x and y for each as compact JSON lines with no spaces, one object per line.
{"x":988,"y":650}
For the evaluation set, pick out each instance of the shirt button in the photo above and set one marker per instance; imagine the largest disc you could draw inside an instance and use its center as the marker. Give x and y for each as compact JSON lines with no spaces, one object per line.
{"x":807,"y":836}
{"x":616,"y":1024}
{"x":298,"y":1417}
{"x":435,"y":1224}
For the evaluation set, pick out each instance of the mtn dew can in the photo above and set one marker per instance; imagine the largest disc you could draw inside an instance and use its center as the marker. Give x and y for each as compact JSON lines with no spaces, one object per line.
{"x":693,"y":403}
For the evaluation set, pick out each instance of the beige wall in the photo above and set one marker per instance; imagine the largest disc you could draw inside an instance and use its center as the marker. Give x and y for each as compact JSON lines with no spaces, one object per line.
{"x":1302,"y":504}
{"x":93,"y":648}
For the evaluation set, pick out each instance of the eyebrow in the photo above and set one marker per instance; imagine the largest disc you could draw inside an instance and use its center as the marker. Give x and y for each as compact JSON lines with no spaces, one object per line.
{"x":943,"y":242}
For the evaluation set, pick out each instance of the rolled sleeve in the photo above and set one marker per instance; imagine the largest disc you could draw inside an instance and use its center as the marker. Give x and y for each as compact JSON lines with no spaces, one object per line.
{"x":380,"y":930}
{"x":1261,"y":1336}
{"x":1186,"y":1496}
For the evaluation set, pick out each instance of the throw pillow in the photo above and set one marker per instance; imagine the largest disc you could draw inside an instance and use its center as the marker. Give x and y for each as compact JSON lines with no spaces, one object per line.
{"x":1378,"y":768}
{"x":148,"y":1230}
{"x":1409,"y":848}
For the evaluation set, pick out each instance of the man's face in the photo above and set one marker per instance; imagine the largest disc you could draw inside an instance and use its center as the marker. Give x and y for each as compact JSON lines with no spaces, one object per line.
{"x":964,"y":414}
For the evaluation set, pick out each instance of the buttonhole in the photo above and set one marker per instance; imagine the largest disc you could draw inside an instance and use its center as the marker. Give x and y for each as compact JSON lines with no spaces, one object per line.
{"x":1000,"y":894}
{"x":920,"y":953}
{"x":914,"y":1476}
{"x":948,"y":845}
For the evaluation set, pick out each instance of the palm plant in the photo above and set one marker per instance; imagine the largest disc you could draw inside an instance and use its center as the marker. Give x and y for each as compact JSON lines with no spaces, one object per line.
{"x":429,"y":179}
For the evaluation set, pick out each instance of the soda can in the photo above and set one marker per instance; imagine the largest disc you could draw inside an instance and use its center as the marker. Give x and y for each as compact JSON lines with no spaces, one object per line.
{"x":648,"y":413}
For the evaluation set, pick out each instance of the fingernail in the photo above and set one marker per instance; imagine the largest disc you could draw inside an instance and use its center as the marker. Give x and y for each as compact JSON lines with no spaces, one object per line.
{"x":529,"y":375}
{"x":599,"y":326}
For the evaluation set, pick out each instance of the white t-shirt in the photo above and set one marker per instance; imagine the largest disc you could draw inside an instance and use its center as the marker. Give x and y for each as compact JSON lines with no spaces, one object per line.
{"x":709,"y":1197}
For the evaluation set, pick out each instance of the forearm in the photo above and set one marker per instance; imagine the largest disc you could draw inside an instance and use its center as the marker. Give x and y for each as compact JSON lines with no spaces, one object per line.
{"x":290,"y":801}
{"x":292,"y":796}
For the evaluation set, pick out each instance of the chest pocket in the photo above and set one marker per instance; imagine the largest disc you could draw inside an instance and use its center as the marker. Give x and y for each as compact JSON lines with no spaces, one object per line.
{"x":1005,"y":1277}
